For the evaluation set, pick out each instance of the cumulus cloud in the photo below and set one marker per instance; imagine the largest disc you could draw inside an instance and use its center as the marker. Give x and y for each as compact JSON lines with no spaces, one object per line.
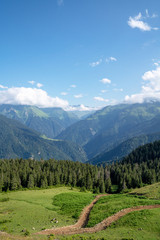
{"x":30,"y":96}
{"x":78,"y":96}
{"x":105,"y":81}
{"x":94,"y":64}
{"x":150,"y":89}
{"x":138,"y":22}
{"x":100,"y":99}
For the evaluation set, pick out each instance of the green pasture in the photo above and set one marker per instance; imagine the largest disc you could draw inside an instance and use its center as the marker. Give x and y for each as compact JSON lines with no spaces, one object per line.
{"x":109,"y":205}
{"x":150,"y":191}
{"x":22,"y":213}
{"x":34,"y":210}
{"x":141,"y":225}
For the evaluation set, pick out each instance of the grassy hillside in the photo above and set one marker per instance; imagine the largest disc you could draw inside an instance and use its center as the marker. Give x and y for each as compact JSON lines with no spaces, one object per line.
{"x":62,"y":203}
{"x":150,"y":191}
{"x":35,"y":210}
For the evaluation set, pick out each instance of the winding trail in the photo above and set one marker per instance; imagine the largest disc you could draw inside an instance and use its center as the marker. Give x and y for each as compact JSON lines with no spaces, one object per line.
{"x":83,"y":220}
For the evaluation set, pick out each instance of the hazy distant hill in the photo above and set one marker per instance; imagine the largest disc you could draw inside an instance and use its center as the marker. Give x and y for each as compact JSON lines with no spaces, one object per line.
{"x":107,"y":128}
{"x":47,"y":121}
{"x":123,"y":149}
{"x":17,"y":140}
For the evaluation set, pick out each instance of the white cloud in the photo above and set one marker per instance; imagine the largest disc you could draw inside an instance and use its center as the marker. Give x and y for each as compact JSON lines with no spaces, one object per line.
{"x":78,"y":96}
{"x":30,"y":96}
{"x":39,"y":85}
{"x":82,"y":107}
{"x":94,"y":64}
{"x":3,"y":87}
{"x":73,"y":86}
{"x":105,"y":81}
{"x":111,"y":59}
{"x":31,"y":82}
{"x":137,"y":22}
{"x":100,"y":99}
{"x":64,"y":93}
{"x":150,"y":89}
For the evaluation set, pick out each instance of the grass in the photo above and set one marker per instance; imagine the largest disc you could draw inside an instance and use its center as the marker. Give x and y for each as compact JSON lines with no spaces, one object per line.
{"x":71,"y":204}
{"x":109,"y":205}
{"x":34,"y":210}
{"x":138,"y":225}
{"x":150,"y":191}
{"x":24,"y":210}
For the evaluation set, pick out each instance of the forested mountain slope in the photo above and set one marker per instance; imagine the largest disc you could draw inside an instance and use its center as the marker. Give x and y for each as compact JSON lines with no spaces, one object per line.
{"x":123,"y":149}
{"x":47,"y":121}
{"x":107,"y":128}
{"x":148,"y":152}
{"x":17,"y":140}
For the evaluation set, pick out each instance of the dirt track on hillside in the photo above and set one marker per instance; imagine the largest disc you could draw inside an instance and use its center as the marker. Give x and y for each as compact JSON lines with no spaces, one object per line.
{"x":83,"y":220}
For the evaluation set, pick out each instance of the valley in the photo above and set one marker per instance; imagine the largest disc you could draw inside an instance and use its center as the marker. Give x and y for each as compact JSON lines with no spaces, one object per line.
{"x":107,"y":135}
{"x":52,"y":189}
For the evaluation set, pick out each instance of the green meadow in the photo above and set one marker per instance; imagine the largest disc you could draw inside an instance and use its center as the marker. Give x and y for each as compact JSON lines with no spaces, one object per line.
{"x":23,"y":213}
{"x":34,"y":210}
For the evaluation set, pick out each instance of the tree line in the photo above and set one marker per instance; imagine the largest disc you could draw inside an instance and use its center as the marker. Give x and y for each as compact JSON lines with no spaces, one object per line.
{"x":140,"y":167}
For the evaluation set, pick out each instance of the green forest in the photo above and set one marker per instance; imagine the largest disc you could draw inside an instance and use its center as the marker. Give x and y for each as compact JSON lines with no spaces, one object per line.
{"x":140,"y":167}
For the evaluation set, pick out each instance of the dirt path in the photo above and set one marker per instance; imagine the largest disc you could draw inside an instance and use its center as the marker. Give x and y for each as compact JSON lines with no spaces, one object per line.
{"x":83,"y":220}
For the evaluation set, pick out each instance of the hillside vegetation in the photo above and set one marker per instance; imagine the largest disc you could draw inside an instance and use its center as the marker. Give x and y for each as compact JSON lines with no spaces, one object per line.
{"x":39,"y":209}
{"x":56,"y":207}
{"x":19,"y":141}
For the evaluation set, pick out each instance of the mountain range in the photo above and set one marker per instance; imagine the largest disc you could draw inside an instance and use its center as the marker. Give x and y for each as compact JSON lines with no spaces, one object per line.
{"x":123,"y":149}
{"x":19,"y":141}
{"x":104,"y":130}
{"x":48,"y":121}
{"x":104,"y":136}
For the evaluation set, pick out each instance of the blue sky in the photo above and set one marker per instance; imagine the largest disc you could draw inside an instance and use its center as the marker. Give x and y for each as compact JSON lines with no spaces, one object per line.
{"x":79,"y":52}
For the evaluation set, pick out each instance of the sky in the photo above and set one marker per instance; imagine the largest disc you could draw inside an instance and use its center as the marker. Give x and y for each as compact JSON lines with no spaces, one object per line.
{"x":79,"y":54}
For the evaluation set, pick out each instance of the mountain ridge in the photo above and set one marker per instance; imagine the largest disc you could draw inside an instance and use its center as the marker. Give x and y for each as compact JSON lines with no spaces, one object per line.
{"x":17,"y":140}
{"x":107,"y":128}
